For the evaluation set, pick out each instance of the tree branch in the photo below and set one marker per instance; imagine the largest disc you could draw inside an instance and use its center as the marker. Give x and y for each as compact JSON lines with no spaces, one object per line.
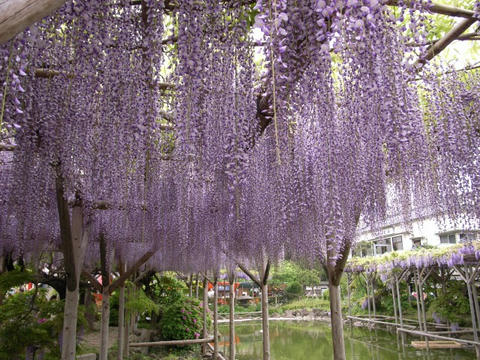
{"x":17,"y":15}
{"x":437,"y":9}
{"x":441,"y":44}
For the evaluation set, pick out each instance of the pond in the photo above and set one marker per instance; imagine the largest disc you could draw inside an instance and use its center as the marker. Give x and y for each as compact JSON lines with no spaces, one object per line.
{"x":307,"y":340}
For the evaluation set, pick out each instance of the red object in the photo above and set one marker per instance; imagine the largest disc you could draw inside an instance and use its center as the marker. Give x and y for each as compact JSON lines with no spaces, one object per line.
{"x":224,"y":283}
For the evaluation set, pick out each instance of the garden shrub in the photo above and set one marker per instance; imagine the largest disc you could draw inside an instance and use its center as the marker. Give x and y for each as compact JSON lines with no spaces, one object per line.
{"x":182,"y":320}
{"x":294,"y":290}
{"x":27,"y":319}
{"x":453,"y":305}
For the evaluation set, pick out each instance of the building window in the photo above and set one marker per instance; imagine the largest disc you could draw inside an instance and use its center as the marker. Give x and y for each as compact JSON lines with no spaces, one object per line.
{"x":417,"y":242}
{"x":468,"y":237}
{"x":397,"y":242}
{"x":363,"y":249}
{"x":448,"y":239}
{"x":382,"y":246}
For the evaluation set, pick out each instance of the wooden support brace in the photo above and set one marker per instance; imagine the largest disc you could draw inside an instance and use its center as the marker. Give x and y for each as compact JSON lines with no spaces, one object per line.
{"x":120,"y":280}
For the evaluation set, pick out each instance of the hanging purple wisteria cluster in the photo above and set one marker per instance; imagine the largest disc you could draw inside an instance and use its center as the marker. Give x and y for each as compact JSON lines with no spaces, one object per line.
{"x":459,"y":255}
{"x":248,"y":164}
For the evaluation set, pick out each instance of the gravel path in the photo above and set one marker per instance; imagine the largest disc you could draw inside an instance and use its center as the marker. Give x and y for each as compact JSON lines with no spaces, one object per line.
{"x":92,"y":339}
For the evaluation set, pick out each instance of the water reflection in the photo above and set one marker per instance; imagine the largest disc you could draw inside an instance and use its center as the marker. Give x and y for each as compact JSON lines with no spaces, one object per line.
{"x":306,"y":340}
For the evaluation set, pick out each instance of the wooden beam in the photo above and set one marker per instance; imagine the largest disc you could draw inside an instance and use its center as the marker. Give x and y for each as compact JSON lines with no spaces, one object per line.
{"x":173,"y":342}
{"x":45,"y":73}
{"x":17,"y":15}
{"x":7,"y":147}
{"x":94,"y":282}
{"x":266,"y":273}
{"x":249,"y":274}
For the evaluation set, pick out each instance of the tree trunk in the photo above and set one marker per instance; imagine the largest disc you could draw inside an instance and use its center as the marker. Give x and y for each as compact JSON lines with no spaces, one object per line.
{"x":265,"y":325}
{"x":104,"y":325}
{"x":69,"y":338}
{"x":121,"y":322}
{"x":232,"y":318}
{"x":337,"y":322}
{"x":79,"y":239}
{"x":205,"y":307}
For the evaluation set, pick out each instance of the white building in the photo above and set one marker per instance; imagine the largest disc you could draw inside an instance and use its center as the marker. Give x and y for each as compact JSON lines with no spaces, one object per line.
{"x":420,"y":232}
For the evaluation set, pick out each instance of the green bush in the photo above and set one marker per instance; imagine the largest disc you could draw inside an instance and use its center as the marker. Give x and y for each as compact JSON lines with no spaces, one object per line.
{"x":182,"y":320}
{"x":453,"y":305}
{"x":28,"y":320}
{"x":169,"y":290}
{"x":295,"y":288}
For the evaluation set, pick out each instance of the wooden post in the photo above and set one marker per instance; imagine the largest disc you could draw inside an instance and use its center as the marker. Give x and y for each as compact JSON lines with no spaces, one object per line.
{"x":373,"y":295}
{"x":215,"y":317}
{"x":104,"y":327}
{"x":467,"y":278}
{"x":197,"y":285}
{"x":399,"y":299}
{"x":420,"y":323}
{"x":422,"y":276}
{"x":190,"y":286}
{"x":205,"y":307}
{"x":265,"y":315}
{"x":262,"y":283}
{"x":349,"y":278}
{"x":336,"y":321}
{"x":104,"y":324}
{"x":232,"y":315}
{"x":367,"y":281}
{"x":121,"y":316}
{"x":394,"y":300}
{"x":474,"y":274}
